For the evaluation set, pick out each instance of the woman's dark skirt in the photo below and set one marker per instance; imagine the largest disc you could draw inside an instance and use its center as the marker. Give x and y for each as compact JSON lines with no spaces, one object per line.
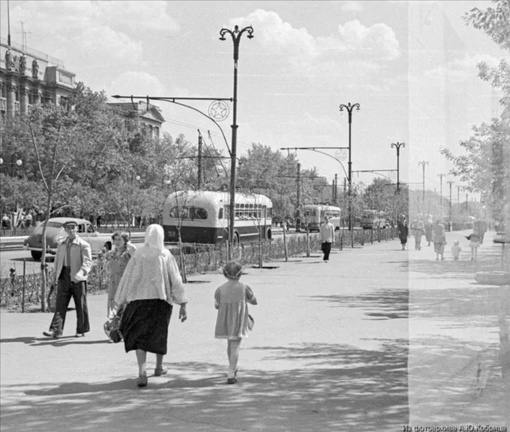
{"x":144,"y":325}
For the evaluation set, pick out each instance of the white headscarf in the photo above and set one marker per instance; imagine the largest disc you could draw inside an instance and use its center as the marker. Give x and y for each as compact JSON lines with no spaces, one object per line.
{"x":154,"y":237}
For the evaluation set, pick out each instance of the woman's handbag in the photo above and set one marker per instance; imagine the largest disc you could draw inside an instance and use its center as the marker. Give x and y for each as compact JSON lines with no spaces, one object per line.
{"x":112,"y":327}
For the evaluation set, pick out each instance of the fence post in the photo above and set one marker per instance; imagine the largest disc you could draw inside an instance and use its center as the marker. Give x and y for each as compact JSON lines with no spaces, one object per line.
{"x":285,"y":251}
{"x":23,"y":294}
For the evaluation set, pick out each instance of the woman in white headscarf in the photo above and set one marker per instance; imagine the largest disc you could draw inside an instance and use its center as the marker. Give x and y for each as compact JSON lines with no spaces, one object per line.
{"x":149,"y":287}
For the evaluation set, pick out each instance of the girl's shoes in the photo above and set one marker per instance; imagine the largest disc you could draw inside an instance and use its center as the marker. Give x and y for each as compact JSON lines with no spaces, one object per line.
{"x":234,"y":379}
{"x":142,"y":381}
{"x":160,"y":371}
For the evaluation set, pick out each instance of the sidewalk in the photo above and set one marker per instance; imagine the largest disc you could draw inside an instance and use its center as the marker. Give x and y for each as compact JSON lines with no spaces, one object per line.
{"x":458,"y":338}
{"x":335,"y":348}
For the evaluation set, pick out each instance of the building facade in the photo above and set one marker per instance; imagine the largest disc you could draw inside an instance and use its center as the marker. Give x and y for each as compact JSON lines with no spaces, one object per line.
{"x":147,"y":114}
{"x":28,"y":77}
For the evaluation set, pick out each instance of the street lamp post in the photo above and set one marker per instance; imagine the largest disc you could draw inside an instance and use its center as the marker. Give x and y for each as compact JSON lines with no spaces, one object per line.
{"x":398,"y":145}
{"x":423,"y":164}
{"x":350,"y":107}
{"x":450,"y":182}
{"x":441,"y":194}
{"x":15,"y":161}
{"x":236,"y":39}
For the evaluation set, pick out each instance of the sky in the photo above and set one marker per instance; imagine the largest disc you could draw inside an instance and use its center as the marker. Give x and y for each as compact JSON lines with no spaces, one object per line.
{"x":411,"y":67}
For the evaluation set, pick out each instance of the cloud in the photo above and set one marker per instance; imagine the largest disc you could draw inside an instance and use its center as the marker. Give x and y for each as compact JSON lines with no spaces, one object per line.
{"x":136,"y":83}
{"x":135,"y":15}
{"x":107,"y":32}
{"x":462,"y":69}
{"x":352,"y":6}
{"x":299,"y":49}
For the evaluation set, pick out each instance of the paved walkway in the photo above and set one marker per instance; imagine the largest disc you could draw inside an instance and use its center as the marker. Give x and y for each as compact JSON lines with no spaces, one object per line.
{"x":373,"y":340}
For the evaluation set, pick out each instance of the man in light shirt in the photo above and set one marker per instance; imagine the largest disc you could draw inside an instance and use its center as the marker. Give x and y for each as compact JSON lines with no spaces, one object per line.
{"x":73,"y":262}
{"x":327,"y":233}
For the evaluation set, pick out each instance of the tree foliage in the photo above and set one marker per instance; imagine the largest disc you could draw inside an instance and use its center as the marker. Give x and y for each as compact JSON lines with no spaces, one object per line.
{"x":484,"y":164}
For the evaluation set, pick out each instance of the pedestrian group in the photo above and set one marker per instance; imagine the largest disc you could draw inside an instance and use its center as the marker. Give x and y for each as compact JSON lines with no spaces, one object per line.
{"x":145,"y":284}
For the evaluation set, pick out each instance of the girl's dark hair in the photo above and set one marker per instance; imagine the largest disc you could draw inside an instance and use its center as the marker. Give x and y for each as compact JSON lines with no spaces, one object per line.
{"x":232,"y":270}
{"x":123,"y":235}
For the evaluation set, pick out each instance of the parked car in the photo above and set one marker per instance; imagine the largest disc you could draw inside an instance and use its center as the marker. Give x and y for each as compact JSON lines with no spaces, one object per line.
{"x":55,"y":232}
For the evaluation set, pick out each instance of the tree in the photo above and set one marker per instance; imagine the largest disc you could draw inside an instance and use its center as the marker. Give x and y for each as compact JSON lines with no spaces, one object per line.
{"x":53,"y":138}
{"x":496,"y":23}
{"x":484,"y":165}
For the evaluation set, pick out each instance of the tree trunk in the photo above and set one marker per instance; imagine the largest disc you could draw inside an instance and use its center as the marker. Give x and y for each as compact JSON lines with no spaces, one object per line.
{"x":44,"y":272}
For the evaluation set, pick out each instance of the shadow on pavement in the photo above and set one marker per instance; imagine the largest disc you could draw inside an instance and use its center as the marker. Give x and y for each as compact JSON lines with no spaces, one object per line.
{"x":349,"y":389}
{"x":378,"y":304}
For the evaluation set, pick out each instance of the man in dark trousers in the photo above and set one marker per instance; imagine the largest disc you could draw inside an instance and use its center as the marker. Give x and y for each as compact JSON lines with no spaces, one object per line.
{"x":327,"y":233}
{"x":73,"y":262}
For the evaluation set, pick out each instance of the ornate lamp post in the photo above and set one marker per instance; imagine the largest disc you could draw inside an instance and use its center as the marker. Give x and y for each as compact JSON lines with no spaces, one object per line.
{"x":398,"y":145}
{"x":15,"y":161}
{"x":236,"y":39}
{"x":349,"y":107}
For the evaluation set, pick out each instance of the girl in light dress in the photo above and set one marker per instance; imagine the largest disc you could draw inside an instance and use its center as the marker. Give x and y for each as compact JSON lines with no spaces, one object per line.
{"x":233,"y":321}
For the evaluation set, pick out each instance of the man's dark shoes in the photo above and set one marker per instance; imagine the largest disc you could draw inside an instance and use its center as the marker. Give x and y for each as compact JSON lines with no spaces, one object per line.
{"x":79,"y":335}
{"x":231,"y":380}
{"x":51,"y":335}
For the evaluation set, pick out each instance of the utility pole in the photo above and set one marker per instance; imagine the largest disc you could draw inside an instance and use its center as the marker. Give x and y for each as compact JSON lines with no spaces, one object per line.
{"x":441,"y":194}
{"x":335,"y":190}
{"x":298,"y":203}
{"x":423,"y":164}
{"x":450,"y":182}
{"x":199,"y":181}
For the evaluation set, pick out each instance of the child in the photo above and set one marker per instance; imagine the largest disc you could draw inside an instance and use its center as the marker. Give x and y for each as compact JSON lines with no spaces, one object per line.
{"x":456,"y":250}
{"x":474,"y":243}
{"x":232,"y":322}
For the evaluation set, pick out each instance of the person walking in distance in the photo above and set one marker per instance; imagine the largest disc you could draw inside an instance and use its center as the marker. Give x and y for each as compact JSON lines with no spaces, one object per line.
{"x":439,"y":239}
{"x":327,"y":234}
{"x":474,"y":243}
{"x":233,"y":320}
{"x":403,"y":232}
{"x":73,"y":262}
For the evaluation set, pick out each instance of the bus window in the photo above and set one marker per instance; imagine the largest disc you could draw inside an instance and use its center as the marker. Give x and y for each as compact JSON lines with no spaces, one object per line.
{"x":179,"y":212}
{"x":198,"y":213}
{"x":188,"y":213}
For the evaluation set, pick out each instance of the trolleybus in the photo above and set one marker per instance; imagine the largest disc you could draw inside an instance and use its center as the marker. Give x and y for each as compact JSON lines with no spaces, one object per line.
{"x":203,"y":217}
{"x":314,"y":216}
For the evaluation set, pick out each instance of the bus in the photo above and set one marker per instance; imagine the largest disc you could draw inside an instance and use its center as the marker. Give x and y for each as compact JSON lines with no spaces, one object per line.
{"x":374,"y":219}
{"x":314,"y":215}
{"x":203,"y":217}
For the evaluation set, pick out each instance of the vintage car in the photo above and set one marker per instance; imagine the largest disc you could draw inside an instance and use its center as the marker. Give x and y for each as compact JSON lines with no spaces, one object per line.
{"x":55,"y":232}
